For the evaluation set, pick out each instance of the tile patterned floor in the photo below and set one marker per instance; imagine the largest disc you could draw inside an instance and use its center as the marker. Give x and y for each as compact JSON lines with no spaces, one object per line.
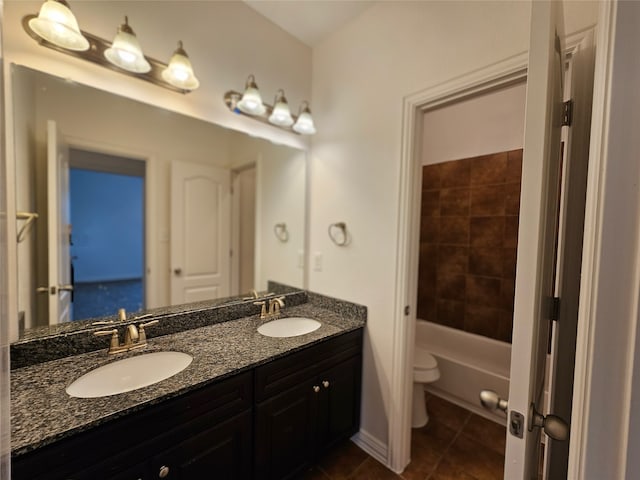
{"x":455,"y":444}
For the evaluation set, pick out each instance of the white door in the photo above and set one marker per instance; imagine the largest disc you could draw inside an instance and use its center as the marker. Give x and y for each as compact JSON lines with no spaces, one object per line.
{"x":59,"y":226}
{"x":200,"y":232}
{"x":537,"y":235}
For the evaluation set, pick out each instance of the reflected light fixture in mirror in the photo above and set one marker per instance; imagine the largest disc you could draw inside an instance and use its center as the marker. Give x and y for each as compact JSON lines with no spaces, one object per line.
{"x":56,"y":24}
{"x":250,"y":103}
{"x":55,"y":28}
{"x":125,"y":51}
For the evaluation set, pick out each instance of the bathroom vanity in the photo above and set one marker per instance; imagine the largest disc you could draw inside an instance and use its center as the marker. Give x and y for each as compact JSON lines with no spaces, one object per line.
{"x":248,"y":406}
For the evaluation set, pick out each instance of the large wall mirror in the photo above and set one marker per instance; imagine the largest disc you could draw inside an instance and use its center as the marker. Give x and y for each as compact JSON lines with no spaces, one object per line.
{"x":125,"y":205}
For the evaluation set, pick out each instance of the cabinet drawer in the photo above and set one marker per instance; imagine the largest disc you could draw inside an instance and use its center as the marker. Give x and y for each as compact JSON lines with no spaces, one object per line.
{"x":281,"y":374}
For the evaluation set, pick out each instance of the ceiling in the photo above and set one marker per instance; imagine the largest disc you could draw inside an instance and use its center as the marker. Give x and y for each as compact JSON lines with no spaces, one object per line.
{"x":311,"y":21}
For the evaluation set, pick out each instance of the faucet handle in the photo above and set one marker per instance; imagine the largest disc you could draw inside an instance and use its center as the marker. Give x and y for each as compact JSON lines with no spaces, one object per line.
{"x":114,"y":344}
{"x":122,"y":314}
{"x":141,"y":333}
{"x":263,"y":311}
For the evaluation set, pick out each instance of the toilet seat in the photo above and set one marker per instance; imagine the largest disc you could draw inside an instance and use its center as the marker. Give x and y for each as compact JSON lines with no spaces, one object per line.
{"x":425,"y":366}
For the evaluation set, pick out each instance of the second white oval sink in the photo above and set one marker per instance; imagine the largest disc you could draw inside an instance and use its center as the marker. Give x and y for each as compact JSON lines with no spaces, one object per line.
{"x":289,"y":327}
{"x":129,"y":374}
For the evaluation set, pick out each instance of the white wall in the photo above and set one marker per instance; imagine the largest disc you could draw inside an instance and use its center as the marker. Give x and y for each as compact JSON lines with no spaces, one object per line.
{"x":360,"y":76}
{"x":489,"y":123}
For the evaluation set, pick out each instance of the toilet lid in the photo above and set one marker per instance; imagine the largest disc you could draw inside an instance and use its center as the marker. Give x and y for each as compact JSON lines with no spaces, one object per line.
{"x":424,"y":360}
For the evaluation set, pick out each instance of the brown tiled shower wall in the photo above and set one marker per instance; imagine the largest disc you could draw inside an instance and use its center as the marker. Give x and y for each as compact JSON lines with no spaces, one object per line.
{"x":468,"y":240}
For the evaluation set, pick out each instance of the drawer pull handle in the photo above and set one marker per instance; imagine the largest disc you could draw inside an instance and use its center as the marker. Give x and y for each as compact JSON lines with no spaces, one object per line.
{"x":325,"y":383}
{"x":164,"y":472}
{"x":316,"y":388}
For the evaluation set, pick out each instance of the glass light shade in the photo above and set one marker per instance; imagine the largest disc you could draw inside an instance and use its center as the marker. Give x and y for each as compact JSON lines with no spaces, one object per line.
{"x":179,"y":72}
{"x":304,"y":125}
{"x":251,"y":101}
{"x":281,"y":115}
{"x":57,"y":24}
{"x":125,"y":51}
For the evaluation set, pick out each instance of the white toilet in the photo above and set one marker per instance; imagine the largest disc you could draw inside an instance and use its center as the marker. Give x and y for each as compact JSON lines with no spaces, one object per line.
{"x":425,"y":370}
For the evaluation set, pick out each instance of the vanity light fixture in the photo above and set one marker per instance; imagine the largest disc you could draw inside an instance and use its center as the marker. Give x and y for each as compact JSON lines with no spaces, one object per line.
{"x":56,"y":23}
{"x":56,"y":28}
{"x":281,"y":115}
{"x":304,"y":125}
{"x":125,"y":51}
{"x":179,"y":73}
{"x":250,"y":103}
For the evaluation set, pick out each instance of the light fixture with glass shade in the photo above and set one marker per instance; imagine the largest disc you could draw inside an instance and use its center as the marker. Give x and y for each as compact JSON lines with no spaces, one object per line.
{"x":251,"y":101}
{"x":179,"y":73}
{"x":56,"y":23}
{"x":56,"y":28}
{"x":304,"y":124}
{"x":281,"y":115}
{"x":125,"y":51}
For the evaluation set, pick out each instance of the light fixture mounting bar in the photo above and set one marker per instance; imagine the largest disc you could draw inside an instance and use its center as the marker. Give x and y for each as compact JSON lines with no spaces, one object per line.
{"x":231,"y":99}
{"x":95,"y":54}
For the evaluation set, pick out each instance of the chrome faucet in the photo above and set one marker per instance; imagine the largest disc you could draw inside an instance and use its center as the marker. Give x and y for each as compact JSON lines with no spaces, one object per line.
{"x":134,"y":337}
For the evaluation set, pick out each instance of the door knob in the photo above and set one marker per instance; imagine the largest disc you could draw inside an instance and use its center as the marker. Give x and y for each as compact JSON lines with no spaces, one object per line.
{"x":554,"y":426}
{"x":491,"y":401}
{"x":65,"y":288}
{"x":177,"y":271}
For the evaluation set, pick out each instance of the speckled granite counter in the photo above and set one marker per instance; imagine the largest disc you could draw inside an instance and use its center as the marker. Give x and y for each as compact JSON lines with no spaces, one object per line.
{"x":42,"y":412}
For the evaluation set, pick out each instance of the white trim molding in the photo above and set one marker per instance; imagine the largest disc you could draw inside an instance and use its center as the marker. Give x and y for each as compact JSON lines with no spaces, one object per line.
{"x":603,"y":440}
{"x":371,"y":445}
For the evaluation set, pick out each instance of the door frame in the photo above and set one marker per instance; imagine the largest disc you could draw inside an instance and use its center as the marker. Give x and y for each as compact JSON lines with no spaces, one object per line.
{"x":500,"y":74}
{"x":151,"y":273}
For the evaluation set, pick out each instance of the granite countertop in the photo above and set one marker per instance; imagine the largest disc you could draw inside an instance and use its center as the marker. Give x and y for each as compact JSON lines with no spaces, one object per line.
{"x":42,"y":412}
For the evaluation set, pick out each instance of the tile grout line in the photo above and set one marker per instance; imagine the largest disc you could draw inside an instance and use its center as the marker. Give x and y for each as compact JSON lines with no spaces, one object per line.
{"x":453,"y":440}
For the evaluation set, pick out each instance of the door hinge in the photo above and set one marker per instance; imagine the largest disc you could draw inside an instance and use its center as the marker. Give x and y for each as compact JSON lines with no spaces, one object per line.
{"x":554,"y":308}
{"x":567,"y":113}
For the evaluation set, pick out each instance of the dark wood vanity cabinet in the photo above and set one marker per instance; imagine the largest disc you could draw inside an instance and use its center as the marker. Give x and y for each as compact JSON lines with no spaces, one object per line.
{"x":305,"y":403}
{"x":191,"y":433}
{"x":270,"y":422}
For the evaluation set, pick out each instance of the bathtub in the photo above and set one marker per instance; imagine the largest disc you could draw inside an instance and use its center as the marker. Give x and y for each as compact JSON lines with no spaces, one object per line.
{"x":468,"y":364}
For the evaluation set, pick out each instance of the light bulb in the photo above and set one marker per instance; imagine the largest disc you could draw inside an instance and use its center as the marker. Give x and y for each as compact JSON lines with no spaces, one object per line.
{"x":304,"y":125}
{"x":281,"y":115}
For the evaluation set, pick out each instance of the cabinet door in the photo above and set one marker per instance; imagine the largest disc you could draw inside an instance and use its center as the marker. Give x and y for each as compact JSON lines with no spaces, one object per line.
{"x":222,"y":452}
{"x":284,"y":432}
{"x":339,"y":403}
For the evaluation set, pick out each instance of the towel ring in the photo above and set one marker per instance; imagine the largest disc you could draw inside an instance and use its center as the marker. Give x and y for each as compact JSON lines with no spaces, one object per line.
{"x":282,"y":234}
{"x":30,"y":219}
{"x":338,"y":234}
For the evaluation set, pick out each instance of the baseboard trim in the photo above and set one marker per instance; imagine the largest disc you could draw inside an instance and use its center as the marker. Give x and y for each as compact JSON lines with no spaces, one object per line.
{"x":373,"y":446}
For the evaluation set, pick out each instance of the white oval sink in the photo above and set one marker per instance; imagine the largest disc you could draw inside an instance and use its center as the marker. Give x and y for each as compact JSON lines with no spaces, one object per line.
{"x":129,"y":374}
{"x":289,"y":327}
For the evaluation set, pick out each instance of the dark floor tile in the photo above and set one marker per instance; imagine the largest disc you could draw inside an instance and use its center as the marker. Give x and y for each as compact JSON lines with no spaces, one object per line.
{"x":428,"y":445}
{"x":343,"y":460}
{"x":475,"y":459}
{"x":446,"y":413}
{"x":447,"y":471}
{"x":493,"y":435}
{"x":314,"y":474}
{"x":371,"y":469}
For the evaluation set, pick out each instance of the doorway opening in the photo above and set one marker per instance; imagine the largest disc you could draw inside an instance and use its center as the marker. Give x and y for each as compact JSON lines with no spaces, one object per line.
{"x":107,"y":211}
